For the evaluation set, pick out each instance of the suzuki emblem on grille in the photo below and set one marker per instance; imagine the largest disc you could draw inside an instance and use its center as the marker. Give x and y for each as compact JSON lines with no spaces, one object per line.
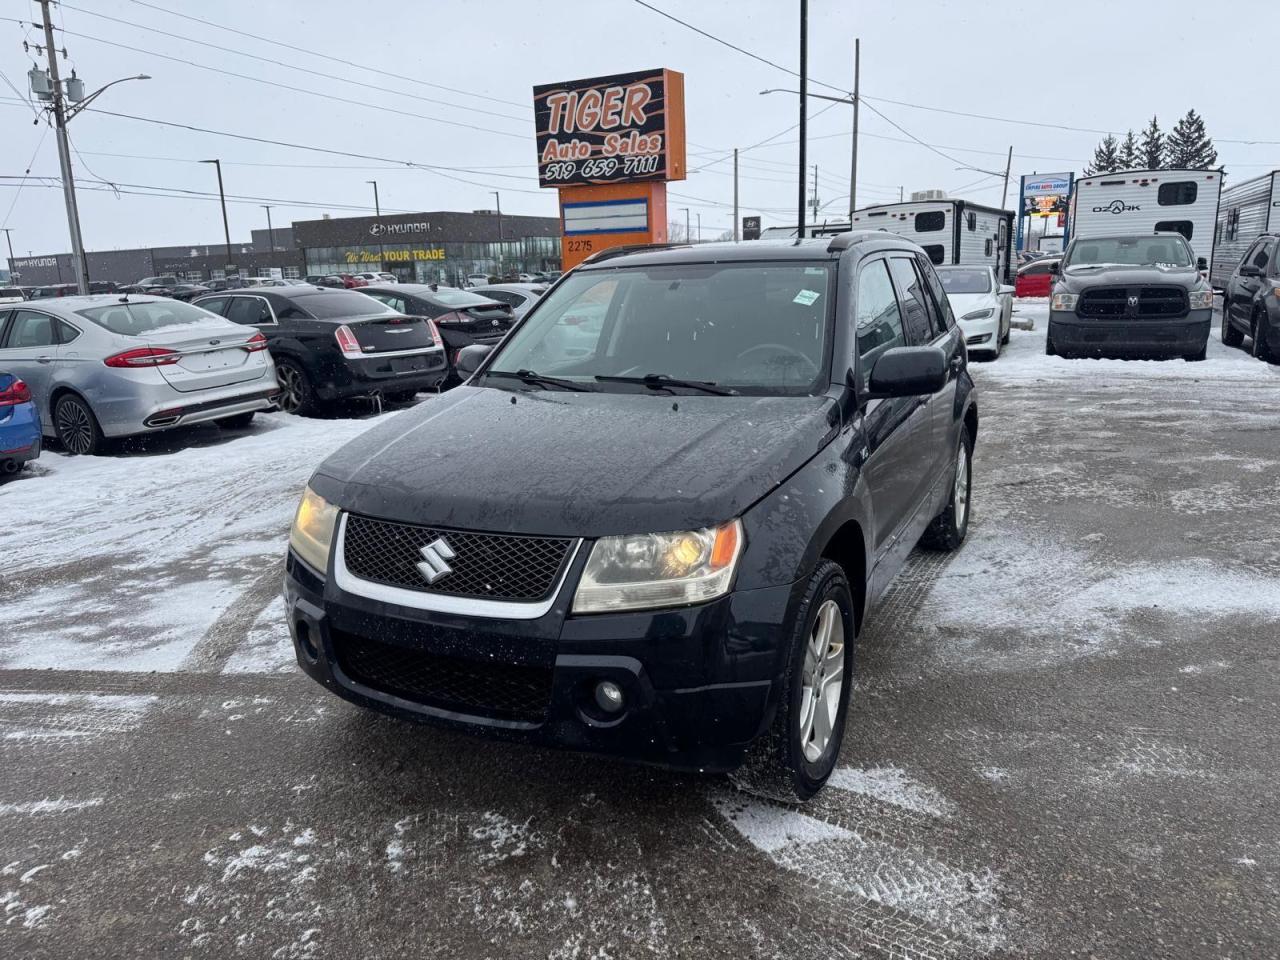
{"x":1133,"y":301}
{"x":434,"y":555}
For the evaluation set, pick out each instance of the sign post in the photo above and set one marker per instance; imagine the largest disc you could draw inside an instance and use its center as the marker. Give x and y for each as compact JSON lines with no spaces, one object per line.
{"x":609,"y":145}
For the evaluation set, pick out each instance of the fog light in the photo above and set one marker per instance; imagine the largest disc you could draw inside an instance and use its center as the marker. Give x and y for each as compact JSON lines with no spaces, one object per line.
{"x":608,"y":696}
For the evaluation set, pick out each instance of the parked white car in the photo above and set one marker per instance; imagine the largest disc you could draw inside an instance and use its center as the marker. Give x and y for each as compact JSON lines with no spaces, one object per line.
{"x":983,"y":306}
{"x":476,"y":280}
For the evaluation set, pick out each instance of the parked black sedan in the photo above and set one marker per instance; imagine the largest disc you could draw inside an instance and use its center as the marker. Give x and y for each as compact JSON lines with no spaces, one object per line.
{"x":189,"y":291}
{"x":334,"y":344}
{"x":463,"y":317}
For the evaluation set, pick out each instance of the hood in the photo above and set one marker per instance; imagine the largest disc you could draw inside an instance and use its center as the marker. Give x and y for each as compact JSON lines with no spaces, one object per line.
{"x":962,"y":303}
{"x":576,"y":464}
{"x":1079,"y":278}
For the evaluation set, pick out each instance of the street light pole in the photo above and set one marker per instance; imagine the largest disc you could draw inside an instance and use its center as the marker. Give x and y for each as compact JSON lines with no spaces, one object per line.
{"x":271,"y":237}
{"x":853,"y":171}
{"x":804,"y":89}
{"x":1008,"y":165}
{"x":222,"y":197}
{"x":688,"y":233}
{"x":699,"y":228}
{"x":737,"y":235}
{"x":377,"y":210}
{"x":64,"y":154}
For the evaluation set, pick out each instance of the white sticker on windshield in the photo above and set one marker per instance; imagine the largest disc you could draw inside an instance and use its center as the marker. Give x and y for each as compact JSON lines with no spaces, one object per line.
{"x":815,"y":271}
{"x":806,"y":298}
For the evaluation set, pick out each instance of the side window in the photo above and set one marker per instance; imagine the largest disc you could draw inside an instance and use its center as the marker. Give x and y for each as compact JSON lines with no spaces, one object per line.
{"x":935,"y":252}
{"x":1250,"y":253}
{"x":1263,"y":256}
{"x":66,"y":332}
{"x":879,"y":320}
{"x":248,"y":310}
{"x":918,"y":323}
{"x":504,"y":296}
{"x":1177,"y":194}
{"x":930,"y":222}
{"x":216,"y":305}
{"x":30,"y":329}
{"x":934,"y":283}
{"x":973,"y":222}
{"x":1184,"y":227}
{"x":987,"y":252}
{"x":4,"y":323}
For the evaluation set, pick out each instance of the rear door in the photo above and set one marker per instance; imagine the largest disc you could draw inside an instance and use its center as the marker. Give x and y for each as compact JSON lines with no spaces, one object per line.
{"x":1241,"y":290}
{"x":30,"y":350}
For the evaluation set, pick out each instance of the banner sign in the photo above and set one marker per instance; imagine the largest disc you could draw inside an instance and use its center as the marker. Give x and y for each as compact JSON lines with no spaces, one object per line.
{"x":1045,"y":195}
{"x":750,"y":228}
{"x":624,"y":128}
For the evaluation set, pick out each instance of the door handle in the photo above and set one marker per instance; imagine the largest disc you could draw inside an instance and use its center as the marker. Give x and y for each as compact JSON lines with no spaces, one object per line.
{"x":44,"y":359}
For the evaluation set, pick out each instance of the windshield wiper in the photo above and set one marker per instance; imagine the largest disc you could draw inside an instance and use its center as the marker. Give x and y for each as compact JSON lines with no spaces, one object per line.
{"x":529,"y":376}
{"x":660,"y":381}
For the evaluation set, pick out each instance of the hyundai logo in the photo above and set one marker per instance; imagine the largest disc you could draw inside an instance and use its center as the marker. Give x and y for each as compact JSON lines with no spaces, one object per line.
{"x":434,"y":557}
{"x":378,"y":229}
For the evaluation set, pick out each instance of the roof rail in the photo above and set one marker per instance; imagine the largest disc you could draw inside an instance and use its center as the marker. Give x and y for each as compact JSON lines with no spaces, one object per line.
{"x":611,"y":252}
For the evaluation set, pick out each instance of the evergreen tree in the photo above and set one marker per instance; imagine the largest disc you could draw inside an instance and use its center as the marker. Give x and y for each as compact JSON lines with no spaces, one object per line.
{"x":1188,"y":146}
{"x":1151,"y":150}
{"x":1128,"y":156}
{"x":1105,"y":158}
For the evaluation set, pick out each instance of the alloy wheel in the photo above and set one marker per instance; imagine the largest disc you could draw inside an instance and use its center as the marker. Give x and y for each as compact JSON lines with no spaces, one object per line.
{"x":75,"y":429}
{"x":822,"y":681}
{"x":961,"y":492}
{"x":290,"y":381}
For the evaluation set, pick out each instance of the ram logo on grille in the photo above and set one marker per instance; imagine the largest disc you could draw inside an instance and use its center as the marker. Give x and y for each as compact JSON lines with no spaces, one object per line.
{"x":434,"y":557}
{"x":1133,"y":301}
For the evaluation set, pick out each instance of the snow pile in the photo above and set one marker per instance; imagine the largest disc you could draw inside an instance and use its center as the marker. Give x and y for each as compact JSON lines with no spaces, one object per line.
{"x":892,"y":785}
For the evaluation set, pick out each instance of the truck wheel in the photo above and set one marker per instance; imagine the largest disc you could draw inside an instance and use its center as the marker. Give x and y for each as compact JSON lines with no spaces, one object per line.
{"x":1198,"y":355}
{"x":949,"y":527}
{"x":1261,"y":345}
{"x":1231,"y":337}
{"x":77,"y":427}
{"x":793,"y":759}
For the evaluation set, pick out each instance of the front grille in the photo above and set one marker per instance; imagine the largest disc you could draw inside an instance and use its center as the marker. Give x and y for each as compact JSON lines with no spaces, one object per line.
{"x":485,"y":566}
{"x":502,"y":691}
{"x":1149,"y":303}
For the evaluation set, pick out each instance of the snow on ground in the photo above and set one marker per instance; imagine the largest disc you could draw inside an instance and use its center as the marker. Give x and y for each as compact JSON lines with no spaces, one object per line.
{"x":128,"y":561}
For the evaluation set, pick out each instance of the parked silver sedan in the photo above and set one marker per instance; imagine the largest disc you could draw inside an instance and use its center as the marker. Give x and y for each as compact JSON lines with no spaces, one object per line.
{"x":116,"y":365}
{"x":520,"y":296}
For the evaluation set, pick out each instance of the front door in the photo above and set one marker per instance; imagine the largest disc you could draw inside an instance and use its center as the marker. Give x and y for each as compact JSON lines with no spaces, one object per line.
{"x":29,"y":352}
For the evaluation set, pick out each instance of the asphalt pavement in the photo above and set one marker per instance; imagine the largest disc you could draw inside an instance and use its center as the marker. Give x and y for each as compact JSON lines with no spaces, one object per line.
{"x":1065,"y":740}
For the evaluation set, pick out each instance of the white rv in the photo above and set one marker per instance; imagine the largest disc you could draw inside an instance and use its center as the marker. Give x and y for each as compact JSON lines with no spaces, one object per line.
{"x":1248,"y":210}
{"x":950,"y":231}
{"x":1149,"y":201}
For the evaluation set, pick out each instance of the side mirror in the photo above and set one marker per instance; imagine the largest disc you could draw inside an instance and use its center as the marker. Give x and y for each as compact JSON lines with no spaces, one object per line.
{"x":908,"y":372}
{"x":1202,"y":263}
{"x":1005,"y":290}
{"x":470,"y":358}
{"x":1055,"y":269}
{"x":1249,"y":270}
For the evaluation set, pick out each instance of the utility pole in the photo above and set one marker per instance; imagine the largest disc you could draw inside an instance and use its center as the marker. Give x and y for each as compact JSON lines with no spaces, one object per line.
{"x":815,"y":194}
{"x":7,"y":232}
{"x":497,"y":199}
{"x":226,"y":227}
{"x":853,"y":171}
{"x":271,"y":237}
{"x":699,"y":240}
{"x":804,"y":94}
{"x":64,"y":154}
{"x":737,"y":228}
{"x":1004,"y":196}
{"x":900,"y":194}
{"x":377,"y":212}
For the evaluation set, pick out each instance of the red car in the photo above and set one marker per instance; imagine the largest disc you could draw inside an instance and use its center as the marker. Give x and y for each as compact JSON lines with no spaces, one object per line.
{"x":1035,"y":280}
{"x":350,"y":280}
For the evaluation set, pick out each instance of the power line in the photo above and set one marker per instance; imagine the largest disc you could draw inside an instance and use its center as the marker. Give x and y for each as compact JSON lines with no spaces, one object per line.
{"x":302,"y":90}
{"x":39,"y":143}
{"x":291,"y":66}
{"x":324,"y":56}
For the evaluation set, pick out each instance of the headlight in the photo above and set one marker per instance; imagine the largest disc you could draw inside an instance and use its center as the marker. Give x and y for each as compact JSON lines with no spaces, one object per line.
{"x":312,"y":531}
{"x":1064,"y":301}
{"x":641,"y":571}
{"x":1202,"y":299}
{"x":978,"y":314}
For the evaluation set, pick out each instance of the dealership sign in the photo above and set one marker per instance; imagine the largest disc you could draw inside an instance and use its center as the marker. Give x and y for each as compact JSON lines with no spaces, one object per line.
{"x":619,"y":129}
{"x":35,"y":262}
{"x":1046,"y":195}
{"x":397,"y":229}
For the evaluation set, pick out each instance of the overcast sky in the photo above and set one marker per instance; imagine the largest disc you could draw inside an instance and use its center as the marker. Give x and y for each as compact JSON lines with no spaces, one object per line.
{"x":1101,"y":65}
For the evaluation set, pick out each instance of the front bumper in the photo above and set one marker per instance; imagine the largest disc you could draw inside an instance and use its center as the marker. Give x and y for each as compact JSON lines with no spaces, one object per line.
{"x":981,"y":336}
{"x":699,"y":683}
{"x":1184,"y":336}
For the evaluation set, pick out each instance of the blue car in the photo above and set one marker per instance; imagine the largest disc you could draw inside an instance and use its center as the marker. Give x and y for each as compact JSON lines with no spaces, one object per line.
{"x":19,"y":425}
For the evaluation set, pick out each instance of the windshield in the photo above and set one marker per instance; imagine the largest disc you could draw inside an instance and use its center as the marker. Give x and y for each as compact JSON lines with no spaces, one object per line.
{"x":965,"y":280}
{"x":751,"y":327}
{"x":337,"y":305}
{"x":1152,"y":251}
{"x":453,"y":297}
{"x":135,"y":319}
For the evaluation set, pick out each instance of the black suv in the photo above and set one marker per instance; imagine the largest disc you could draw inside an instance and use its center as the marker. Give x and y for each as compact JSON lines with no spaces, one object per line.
{"x":1251,"y":303}
{"x":333,"y":344}
{"x":463,"y":318}
{"x":1130,"y":296}
{"x":677,"y":522}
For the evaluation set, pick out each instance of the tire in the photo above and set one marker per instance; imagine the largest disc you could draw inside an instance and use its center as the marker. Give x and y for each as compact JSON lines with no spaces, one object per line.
{"x":297,"y":396}
{"x":1261,"y":343}
{"x":948,"y":529}
{"x":788,"y":762}
{"x":1231,"y":337}
{"x":76,"y":426}
{"x":1198,"y":355}
{"x":237,"y":421}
